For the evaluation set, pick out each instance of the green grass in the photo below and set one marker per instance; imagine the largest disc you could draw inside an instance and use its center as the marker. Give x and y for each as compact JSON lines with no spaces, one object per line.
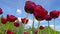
{"x":11,"y":26}
{"x":45,"y":31}
{"x":51,"y":31}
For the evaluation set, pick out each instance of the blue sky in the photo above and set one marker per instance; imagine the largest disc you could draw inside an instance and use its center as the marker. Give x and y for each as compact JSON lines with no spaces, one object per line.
{"x":16,"y":8}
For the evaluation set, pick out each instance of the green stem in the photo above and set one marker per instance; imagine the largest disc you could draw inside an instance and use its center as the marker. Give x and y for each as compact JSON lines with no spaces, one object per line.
{"x":25,"y":22}
{"x":7,"y":25}
{"x":33,"y":27}
{"x":54,"y":26}
{"x":38,"y":27}
{"x":48,"y":27}
{"x":17,"y":32}
{"x":41,"y":31}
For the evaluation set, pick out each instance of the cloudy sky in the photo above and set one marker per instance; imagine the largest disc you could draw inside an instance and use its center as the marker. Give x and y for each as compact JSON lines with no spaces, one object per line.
{"x":16,"y":8}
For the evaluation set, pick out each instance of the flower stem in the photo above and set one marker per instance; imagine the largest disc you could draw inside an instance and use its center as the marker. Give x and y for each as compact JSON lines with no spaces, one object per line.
{"x":33,"y":27}
{"x":38,"y":27}
{"x":48,"y":27}
{"x":54,"y":26}
{"x":25,"y":22}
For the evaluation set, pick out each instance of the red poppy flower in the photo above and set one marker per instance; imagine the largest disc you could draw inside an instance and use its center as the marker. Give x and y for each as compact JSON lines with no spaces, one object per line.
{"x":48,"y":17}
{"x":3,"y":20}
{"x":54,"y":14}
{"x":40,"y":12}
{"x":9,"y":32}
{"x":35,"y":31}
{"x":59,"y":13}
{"x":41,"y":27}
{"x":11,"y":18}
{"x":16,"y":24}
{"x":25,"y":32}
{"x":24,"y":20}
{"x":1,"y":11}
{"x":29,"y":7}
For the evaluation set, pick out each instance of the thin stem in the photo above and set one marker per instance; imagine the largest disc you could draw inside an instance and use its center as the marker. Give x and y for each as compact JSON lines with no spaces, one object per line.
{"x":33,"y":27}
{"x":25,"y":22}
{"x":27,"y":15}
{"x":54,"y":26}
{"x":48,"y":27}
{"x":17,"y":30}
{"x":38,"y":27}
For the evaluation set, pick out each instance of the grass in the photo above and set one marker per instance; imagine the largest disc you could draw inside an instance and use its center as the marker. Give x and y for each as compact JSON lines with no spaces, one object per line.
{"x":11,"y":26}
{"x":45,"y":31}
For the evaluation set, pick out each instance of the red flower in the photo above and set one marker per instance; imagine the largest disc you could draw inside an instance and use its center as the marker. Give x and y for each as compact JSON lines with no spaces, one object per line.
{"x":59,"y":13}
{"x":3,"y":20}
{"x":48,"y":17}
{"x":11,"y":18}
{"x":40,"y":12}
{"x":24,"y":20}
{"x":54,"y":14}
{"x":1,"y":11}
{"x":35,"y":31}
{"x":29,"y":7}
{"x":16,"y":24}
{"x":25,"y":32}
{"x":41,"y":27}
{"x":9,"y":32}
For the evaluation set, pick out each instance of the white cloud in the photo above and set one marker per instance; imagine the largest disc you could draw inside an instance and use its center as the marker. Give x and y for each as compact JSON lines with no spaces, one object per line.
{"x":51,"y":25}
{"x":19,"y":18}
{"x":29,"y":24}
{"x":19,"y":11}
{"x":57,"y":27}
{"x":44,"y":21}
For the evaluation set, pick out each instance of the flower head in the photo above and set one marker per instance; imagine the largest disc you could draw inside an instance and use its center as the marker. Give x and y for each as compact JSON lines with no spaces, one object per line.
{"x":3,"y":20}
{"x":40,"y":12}
{"x":9,"y":32}
{"x":1,"y":11}
{"x":25,"y":32}
{"x":35,"y":31}
{"x":54,"y":14}
{"x":16,"y":24}
{"x":11,"y":18}
{"x":29,"y":7}
{"x":24,"y":20}
{"x":41,"y":27}
{"x":48,"y":17}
